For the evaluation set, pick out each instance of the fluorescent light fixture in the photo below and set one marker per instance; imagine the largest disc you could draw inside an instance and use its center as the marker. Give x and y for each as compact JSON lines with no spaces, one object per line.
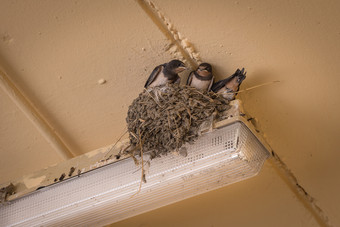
{"x":227,"y":155}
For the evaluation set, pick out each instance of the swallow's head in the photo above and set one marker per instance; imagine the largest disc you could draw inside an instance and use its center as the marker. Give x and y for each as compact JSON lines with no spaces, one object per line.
{"x":240,"y":75}
{"x":176,"y":66}
{"x":204,"y":69}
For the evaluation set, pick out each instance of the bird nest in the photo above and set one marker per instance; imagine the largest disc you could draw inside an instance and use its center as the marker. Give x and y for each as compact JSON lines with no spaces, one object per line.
{"x":161,"y":119}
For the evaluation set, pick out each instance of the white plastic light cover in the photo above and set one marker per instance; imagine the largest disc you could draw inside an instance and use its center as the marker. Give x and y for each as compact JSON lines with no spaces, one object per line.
{"x":104,"y":196}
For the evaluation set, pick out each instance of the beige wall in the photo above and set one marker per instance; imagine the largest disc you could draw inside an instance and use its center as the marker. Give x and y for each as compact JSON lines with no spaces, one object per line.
{"x":56,"y":51}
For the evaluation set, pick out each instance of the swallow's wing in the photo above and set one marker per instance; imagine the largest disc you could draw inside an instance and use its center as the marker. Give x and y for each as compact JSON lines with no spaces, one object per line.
{"x":153,"y":75}
{"x":218,"y":85}
{"x":190,"y":78}
{"x":211,"y":83}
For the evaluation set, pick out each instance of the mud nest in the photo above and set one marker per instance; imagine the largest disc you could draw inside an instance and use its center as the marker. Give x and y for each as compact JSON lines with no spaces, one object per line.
{"x":164,"y":118}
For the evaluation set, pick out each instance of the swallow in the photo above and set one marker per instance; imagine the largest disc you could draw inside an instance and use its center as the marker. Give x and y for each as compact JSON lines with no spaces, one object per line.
{"x":165,"y":73}
{"x":230,"y":86}
{"x":202,"y":78}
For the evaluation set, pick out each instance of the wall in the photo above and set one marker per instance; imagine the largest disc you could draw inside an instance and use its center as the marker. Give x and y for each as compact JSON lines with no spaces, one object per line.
{"x":57,"y":51}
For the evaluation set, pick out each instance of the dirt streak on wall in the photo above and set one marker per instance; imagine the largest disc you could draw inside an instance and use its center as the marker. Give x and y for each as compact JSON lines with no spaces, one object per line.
{"x":179,"y":46}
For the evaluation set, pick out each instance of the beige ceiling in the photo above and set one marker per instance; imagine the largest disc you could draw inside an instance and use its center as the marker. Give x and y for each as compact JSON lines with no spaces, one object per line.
{"x":55,"y":52}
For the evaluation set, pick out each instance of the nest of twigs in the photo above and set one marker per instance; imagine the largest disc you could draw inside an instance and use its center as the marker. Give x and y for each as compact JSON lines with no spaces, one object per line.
{"x":162,"y":119}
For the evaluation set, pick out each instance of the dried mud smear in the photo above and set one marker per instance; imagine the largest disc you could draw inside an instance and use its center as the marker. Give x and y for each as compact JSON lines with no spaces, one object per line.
{"x":166,"y":117}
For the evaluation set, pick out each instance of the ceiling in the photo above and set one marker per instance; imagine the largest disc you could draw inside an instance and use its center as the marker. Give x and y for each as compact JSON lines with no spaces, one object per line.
{"x":57,"y":53}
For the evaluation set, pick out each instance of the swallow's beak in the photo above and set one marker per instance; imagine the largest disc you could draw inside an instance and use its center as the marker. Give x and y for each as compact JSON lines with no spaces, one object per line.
{"x":181,"y":68}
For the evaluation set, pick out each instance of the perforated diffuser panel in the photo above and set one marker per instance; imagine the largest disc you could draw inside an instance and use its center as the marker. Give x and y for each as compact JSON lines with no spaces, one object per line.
{"x":104,"y":196}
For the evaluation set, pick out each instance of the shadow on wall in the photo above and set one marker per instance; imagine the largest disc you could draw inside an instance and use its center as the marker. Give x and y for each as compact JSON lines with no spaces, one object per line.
{"x":290,"y":120}
{"x":257,"y":96}
{"x":30,"y":95}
